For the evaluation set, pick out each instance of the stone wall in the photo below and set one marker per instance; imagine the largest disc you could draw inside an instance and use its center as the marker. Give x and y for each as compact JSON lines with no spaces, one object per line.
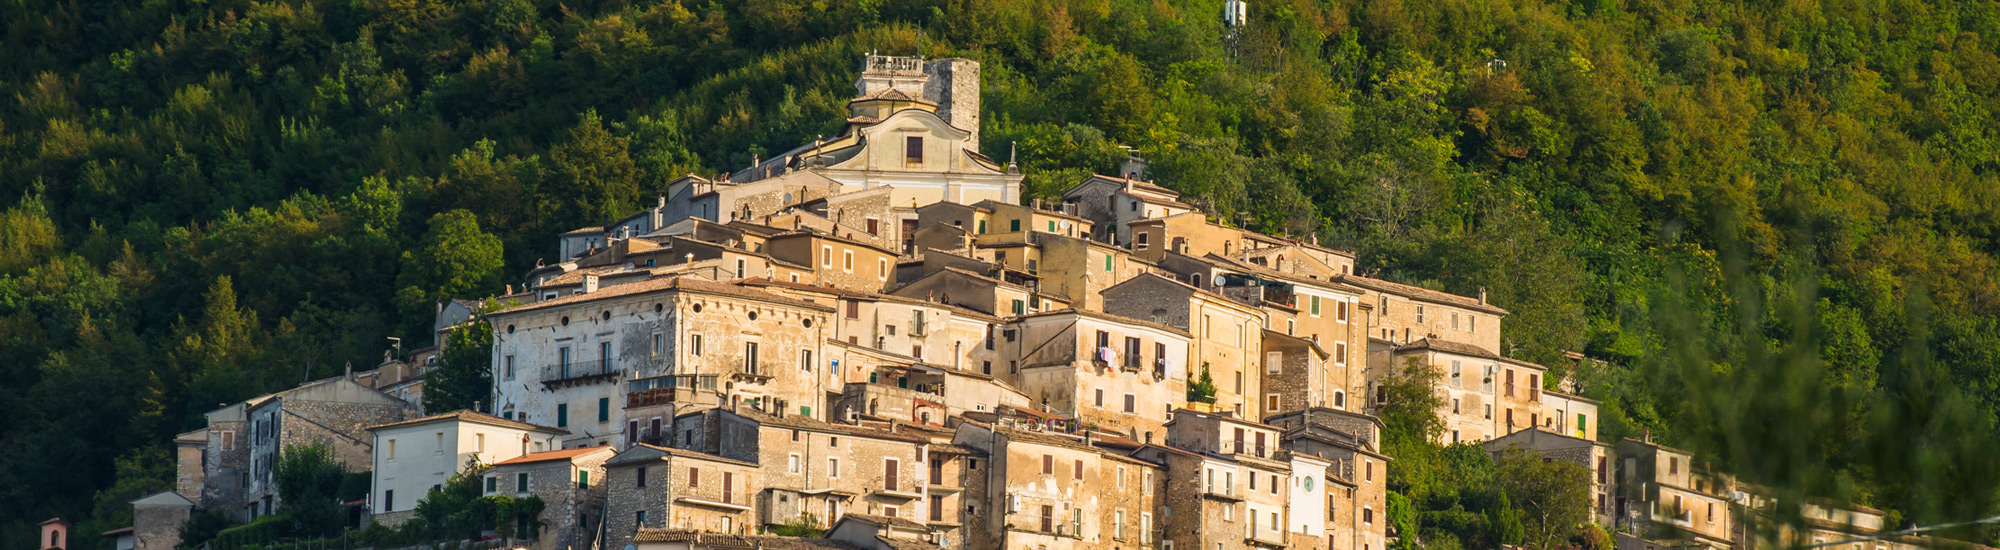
{"x":158,"y":527}
{"x":954,"y":86}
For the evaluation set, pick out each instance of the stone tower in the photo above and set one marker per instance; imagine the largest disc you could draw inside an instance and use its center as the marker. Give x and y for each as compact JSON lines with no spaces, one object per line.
{"x":954,"y":86}
{"x":951,"y":84}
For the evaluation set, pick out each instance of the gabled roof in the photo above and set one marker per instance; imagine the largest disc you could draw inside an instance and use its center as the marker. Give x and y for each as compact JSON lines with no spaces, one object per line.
{"x":1431,"y":344}
{"x":633,"y":455}
{"x":550,"y":456}
{"x":672,"y":282}
{"x":886,"y":521}
{"x":1420,"y":293}
{"x":474,"y":417}
{"x":808,"y":423}
{"x":1106,"y":317}
{"x":163,"y":498}
{"x":581,"y":231}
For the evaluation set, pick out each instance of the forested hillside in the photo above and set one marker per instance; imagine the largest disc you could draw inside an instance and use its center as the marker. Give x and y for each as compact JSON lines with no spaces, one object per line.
{"x":1776,"y":221}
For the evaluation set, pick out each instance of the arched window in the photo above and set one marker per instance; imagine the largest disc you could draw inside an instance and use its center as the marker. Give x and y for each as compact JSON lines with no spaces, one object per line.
{"x":1339,"y":399}
{"x":1195,"y":280}
{"x":55,"y":539}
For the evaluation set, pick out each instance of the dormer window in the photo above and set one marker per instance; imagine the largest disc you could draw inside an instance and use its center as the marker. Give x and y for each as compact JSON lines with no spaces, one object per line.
{"x":913,"y":150}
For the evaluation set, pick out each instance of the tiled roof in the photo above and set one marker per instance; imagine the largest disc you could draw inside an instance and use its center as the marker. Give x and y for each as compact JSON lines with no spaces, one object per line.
{"x":808,"y":423}
{"x":1108,"y":317}
{"x":1448,"y":347}
{"x":469,"y":416}
{"x":896,"y":522}
{"x":864,"y":295}
{"x":592,"y":230}
{"x":677,"y":282}
{"x":1420,"y":293}
{"x":700,"y":539}
{"x":547,"y":456}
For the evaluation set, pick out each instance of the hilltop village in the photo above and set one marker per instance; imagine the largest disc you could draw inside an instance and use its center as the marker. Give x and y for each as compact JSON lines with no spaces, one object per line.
{"x":875,"y":335}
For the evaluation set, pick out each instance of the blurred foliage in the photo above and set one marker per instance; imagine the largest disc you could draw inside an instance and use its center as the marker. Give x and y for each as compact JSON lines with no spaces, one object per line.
{"x":1774,"y":223}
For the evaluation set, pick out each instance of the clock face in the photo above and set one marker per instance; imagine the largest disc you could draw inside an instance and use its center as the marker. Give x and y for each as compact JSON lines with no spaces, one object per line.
{"x":1309,"y":484}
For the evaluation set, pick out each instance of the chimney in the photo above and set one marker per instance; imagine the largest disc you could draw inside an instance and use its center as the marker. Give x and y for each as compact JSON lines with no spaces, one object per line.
{"x":1482,"y":295}
{"x":589,"y":284}
{"x":510,"y":289}
{"x":1037,"y":202}
{"x":1089,"y":438}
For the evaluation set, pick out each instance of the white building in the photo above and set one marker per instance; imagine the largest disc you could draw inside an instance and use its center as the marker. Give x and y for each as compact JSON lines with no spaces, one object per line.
{"x":414,"y":457}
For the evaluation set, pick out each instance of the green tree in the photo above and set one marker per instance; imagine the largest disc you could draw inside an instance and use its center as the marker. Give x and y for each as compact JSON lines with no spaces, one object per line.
{"x":464,"y":380}
{"x":308,"y":479}
{"x":1202,"y":390}
{"x":592,"y":178}
{"x":455,"y":260}
{"x":1553,"y":496}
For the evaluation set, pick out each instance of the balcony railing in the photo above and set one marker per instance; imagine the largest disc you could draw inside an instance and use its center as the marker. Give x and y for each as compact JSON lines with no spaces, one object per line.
{"x":1253,"y":449}
{"x":580,"y":372}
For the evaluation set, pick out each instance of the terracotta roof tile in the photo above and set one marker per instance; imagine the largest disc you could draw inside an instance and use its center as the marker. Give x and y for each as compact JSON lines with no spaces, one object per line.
{"x":546,"y":456}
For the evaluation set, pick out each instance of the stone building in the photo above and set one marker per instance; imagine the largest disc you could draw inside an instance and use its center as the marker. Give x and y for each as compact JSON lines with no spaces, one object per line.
{"x":840,"y":262}
{"x":1111,"y":203}
{"x":1663,"y":501}
{"x":570,"y":483}
{"x":1227,"y":335}
{"x":1227,"y":483}
{"x":415,"y":456}
{"x":565,"y":362}
{"x":1569,"y":415}
{"x":1405,"y":314}
{"x":813,"y":471}
{"x":1357,"y":472}
{"x":1483,"y":394}
{"x":1051,"y":490}
{"x":1118,"y":374}
{"x":658,"y":487}
{"x":1306,"y":304}
{"x":190,"y":476}
{"x":157,"y":520}
{"x":335,"y":412}
{"x":977,"y":292}
{"x":1594,"y":457}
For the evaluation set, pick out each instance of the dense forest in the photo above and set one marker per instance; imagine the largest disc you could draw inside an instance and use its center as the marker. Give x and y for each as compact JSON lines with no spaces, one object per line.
{"x":1774,"y":222}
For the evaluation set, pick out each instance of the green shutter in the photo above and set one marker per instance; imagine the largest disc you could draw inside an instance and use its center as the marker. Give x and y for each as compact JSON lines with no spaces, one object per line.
{"x":521,"y":482}
{"x":1315,"y":305}
{"x":982,"y":227}
{"x":603,"y":409}
{"x":805,"y":411}
{"x":1107,"y":262}
{"x":1013,"y":225}
{"x":1582,"y":424}
{"x":1052,"y":226}
{"x":583,"y":479}
{"x":562,"y":415}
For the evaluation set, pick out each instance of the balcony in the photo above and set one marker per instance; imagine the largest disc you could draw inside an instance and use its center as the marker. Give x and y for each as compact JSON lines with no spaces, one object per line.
{"x":1258,"y":450}
{"x":1221,"y":492}
{"x":1266,"y":538}
{"x":686,"y":389}
{"x":579,"y":372}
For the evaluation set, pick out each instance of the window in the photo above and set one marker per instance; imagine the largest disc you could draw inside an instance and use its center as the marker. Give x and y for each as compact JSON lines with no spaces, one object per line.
{"x":640,"y":518}
{"x":847,"y":261}
{"x":826,"y":257}
{"x":1673,"y":465}
{"x":1048,"y":518}
{"x":389,"y":500}
{"x":1315,"y":306}
{"x":1454,"y":320}
{"x":694,"y":345}
{"x":603,"y":410}
{"x":913,"y":149}
{"x":1121,"y":477}
{"x":1454,"y":406}
{"x":1139,"y":241}
{"x":1340,"y":311}
{"x":655,"y":350}
{"x":890,"y":474}
{"x":1146,"y":478}
{"x":492,"y":485}
{"x":806,"y":360}
{"x":1368,"y":471}
{"x":1013,"y":225}
{"x":1048,"y":465}
{"x":1274,"y":362}
{"x":510,"y":367}
{"x":792,"y":463}
{"x":1367,"y":516}
{"x":1340,"y":353}
{"x":1107,"y":262}
{"x":583,"y":479}
{"x":728,"y":486}
{"x":874,"y":226}
{"x":694,"y":477}
{"x":1131,"y":403}
{"x":833,"y":468}
{"x":229,"y":438}
{"x":1270,"y":402}
{"x":750,"y":357}
{"x":1020,"y":308}
{"x":521,"y":482}
{"x":1079,"y":469}
{"x":1100,"y":398}
{"x":641,"y":479}
{"x":1339,"y":399}
{"x":1118,"y":525}
{"x":562,"y":415}
{"x":1420,"y":314}
{"x":882,"y":268}
{"x":1472,"y":323}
